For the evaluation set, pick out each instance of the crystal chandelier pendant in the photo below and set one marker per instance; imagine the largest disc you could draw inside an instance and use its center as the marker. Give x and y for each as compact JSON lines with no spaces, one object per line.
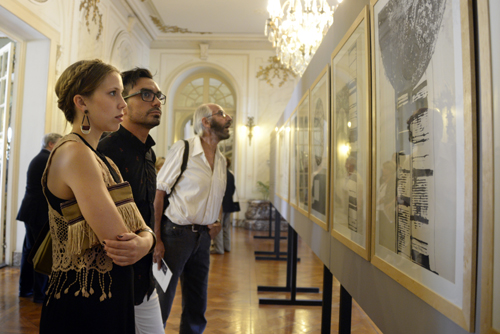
{"x":296,"y":30}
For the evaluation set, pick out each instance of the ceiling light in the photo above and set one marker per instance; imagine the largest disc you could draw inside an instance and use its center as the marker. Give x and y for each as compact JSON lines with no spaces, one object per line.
{"x":296,"y":30}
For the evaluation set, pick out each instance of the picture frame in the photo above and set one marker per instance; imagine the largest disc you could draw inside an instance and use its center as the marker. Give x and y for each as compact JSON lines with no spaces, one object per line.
{"x":284,"y":162}
{"x":277,"y":177}
{"x":424,"y":128}
{"x":489,"y":37}
{"x":294,"y":174}
{"x":351,"y":140}
{"x":319,"y":138}
{"x":303,"y":155}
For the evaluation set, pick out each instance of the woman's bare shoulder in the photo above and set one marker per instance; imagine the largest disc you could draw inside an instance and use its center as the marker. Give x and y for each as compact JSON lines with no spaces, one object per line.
{"x":74,"y":163}
{"x":72,"y":153}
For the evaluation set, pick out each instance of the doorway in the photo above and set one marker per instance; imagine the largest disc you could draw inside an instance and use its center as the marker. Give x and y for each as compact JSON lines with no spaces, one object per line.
{"x":32,"y":59}
{"x":7,"y":47}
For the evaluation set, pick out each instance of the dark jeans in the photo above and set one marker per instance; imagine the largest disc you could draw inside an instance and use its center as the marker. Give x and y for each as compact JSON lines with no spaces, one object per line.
{"x":31,"y":282}
{"x":187,"y":254}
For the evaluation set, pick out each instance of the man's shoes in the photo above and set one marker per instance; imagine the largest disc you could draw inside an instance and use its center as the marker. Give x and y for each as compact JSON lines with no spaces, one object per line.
{"x":214,"y":252}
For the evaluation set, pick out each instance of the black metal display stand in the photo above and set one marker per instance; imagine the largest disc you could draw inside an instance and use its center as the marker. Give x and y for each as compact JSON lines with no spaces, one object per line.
{"x":276,"y":254}
{"x":270,"y":236}
{"x":291,"y":279}
{"x":345,"y":311}
{"x":326,"y":311}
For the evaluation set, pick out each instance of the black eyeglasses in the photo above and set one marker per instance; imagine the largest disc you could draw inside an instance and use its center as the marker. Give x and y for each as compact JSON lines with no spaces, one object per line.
{"x":148,"y":96}
{"x":220,"y":112}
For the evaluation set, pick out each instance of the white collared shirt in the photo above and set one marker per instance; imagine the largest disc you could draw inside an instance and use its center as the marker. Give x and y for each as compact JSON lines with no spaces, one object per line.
{"x":197,"y":197}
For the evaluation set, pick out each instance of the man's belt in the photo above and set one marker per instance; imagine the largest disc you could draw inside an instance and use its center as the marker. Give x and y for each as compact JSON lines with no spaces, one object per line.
{"x":192,"y":227}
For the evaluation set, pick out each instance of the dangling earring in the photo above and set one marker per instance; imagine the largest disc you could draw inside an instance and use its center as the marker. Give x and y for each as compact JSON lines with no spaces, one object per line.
{"x":85,"y":128}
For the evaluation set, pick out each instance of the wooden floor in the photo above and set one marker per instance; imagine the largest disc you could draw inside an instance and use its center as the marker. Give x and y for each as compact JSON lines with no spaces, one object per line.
{"x":233,"y":305}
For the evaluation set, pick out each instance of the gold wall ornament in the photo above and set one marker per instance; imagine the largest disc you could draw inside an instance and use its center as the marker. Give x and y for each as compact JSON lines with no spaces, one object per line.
{"x":173,"y":29}
{"x":276,"y":69}
{"x":250,"y":124}
{"x":87,"y":6}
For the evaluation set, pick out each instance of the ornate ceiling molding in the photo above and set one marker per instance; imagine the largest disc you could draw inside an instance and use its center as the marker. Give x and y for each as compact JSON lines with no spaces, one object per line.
{"x":173,"y":29}
{"x":275,"y":70}
{"x":87,"y":6}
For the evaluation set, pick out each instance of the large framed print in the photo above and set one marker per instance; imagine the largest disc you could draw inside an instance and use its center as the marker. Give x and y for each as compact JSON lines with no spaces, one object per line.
{"x":424,"y":139}
{"x":319,"y":164}
{"x":303,"y":154}
{"x":284,"y":161}
{"x":489,"y":44}
{"x":350,"y":199}
{"x":294,"y":172}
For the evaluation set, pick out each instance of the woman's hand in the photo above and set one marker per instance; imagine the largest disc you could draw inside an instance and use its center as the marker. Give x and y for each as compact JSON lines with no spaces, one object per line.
{"x":158,"y":253}
{"x":128,"y":248}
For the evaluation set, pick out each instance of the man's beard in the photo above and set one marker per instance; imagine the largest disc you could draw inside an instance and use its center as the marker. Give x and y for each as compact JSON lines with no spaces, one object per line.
{"x":219,"y":129}
{"x":145,"y":121}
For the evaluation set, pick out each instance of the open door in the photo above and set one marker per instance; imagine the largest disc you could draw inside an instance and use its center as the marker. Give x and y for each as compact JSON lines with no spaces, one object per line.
{"x":6,"y":72}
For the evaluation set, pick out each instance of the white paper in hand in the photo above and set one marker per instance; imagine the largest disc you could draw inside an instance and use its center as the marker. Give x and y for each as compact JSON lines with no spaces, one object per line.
{"x":163,"y":275}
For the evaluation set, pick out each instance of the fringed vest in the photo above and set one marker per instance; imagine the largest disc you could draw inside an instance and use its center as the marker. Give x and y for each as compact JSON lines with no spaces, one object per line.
{"x":75,"y":246}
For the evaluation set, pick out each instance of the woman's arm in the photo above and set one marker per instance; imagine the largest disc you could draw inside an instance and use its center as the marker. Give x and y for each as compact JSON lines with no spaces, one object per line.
{"x":75,"y":173}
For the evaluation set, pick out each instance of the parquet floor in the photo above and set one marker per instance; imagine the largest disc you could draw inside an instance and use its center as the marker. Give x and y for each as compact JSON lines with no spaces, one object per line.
{"x":233,"y":298}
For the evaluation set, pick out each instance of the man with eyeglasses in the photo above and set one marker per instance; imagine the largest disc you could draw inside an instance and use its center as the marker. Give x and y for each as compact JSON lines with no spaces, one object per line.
{"x":130,"y":148}
{"x":193,"y":216}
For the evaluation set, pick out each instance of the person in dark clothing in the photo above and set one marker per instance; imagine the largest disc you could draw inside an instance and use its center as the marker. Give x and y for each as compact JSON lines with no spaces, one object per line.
{"x":222,"y":242}
{"x":34,"y":212}
{"x":130,"y":148}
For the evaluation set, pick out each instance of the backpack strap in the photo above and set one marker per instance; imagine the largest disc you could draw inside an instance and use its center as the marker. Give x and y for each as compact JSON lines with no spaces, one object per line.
{"x":183,"y":166}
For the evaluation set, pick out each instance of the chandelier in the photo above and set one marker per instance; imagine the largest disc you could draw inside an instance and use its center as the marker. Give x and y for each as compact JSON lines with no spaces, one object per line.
{"x":297,"y":30}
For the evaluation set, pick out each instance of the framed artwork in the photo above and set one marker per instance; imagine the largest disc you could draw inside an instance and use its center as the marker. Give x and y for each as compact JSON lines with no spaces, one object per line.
{"x":424,"y":166}
{"x":294,"y":173}
{"x":284,"y":161}
{"x":351,"y":169}
{"x":277,"y":188}
{"x":489,"y":42}
{"x":319,"y":164}
{"x":273,"y":177}
{"x":303,"y":154}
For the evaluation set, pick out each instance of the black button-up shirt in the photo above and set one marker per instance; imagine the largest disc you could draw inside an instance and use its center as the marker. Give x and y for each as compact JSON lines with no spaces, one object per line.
{"x":136,"y":161}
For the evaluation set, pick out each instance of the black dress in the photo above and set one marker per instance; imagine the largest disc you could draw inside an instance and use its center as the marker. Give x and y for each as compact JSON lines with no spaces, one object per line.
{"x":84,"y":315}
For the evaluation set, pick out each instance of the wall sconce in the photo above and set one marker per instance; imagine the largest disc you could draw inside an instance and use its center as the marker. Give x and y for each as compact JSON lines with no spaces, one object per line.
{"x":250,"y":124}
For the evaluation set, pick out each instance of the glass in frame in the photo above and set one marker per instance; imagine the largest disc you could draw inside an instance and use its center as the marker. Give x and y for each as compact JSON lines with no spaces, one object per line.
{"x":424,"y":141}
{"x":284,"y":161}
{"x":351,"y":138}
{"x":294,"y":172}
{"x":303,"y":154}
{"x":319,"y":116}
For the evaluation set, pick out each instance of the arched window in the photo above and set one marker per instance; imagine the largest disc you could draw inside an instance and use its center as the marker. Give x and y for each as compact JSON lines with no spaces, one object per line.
{"x":196,"y":90}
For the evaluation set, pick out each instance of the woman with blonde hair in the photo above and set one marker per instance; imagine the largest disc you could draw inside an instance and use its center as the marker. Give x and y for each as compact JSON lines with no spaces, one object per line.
{"x":96,"y":228}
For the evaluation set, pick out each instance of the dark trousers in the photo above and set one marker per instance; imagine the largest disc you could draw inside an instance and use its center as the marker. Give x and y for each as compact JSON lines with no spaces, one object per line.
{"x":187,"y":254}
{"x":31,"y":282}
